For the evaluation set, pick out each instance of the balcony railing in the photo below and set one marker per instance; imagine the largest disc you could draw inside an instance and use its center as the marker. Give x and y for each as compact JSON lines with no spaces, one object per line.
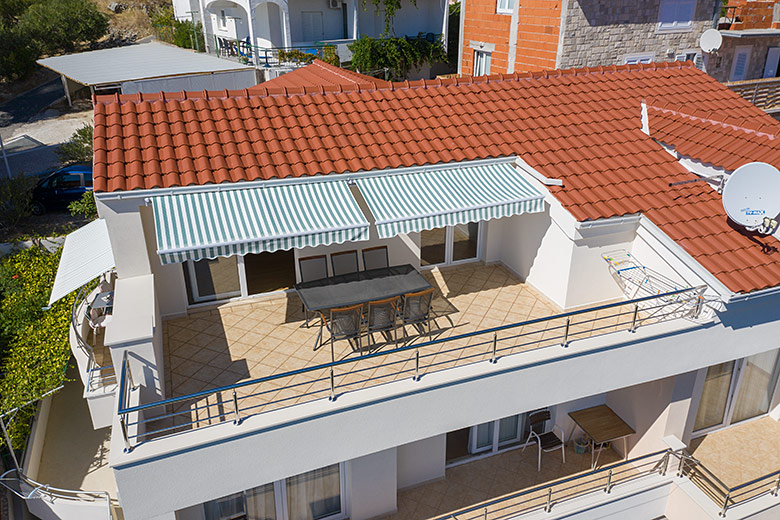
{"x":763,"y":93}
{"x":96,"y":376}
{"x":148,"y":421}
{"x":550,"y":494}
{"x":27,"y":489}
{"x":724,"y":496}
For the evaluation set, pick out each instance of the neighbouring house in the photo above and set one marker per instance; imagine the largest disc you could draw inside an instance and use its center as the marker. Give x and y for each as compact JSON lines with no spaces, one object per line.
{"x":506,"y":36}
{"x":544,"y":260}
{"x":144,"y":68}
{"x":257,"y":30}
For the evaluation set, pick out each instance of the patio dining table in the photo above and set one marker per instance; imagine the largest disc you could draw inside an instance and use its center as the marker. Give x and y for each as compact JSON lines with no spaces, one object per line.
{"x":361,"y":287}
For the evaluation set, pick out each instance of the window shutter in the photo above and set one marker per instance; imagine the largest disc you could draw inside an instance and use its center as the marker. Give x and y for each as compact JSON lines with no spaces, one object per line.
{"x":740,"y":67}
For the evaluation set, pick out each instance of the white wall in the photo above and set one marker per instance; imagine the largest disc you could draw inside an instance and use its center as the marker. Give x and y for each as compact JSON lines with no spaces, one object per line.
{"x":332,"y":22}
{"x":421,"y":461}
{"x":231,"y":80}
{"x":126,"y":234}
{"x":561,"y":415}
{"x":372,"y":485}
{"x":169,"y":287}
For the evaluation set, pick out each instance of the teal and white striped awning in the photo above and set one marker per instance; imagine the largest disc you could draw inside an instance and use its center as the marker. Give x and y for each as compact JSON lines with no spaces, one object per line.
{"x":436,"y":198}
{"x":197,"y":225}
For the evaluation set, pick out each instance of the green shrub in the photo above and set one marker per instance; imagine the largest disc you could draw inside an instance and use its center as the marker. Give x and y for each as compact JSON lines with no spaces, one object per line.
{"x":329,"y":55}
{"x":182,"y":33}
{"x":78,"y":149}
{"x":397,"y":55}
{"x":34,"y":340}
{"x":15,"y":198}
{"x":296,"y":56}
{"x":85,"y":206}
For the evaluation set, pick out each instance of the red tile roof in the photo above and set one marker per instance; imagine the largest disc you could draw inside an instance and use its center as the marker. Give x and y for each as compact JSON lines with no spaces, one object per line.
{"x":582,"y":126}
{"x":723,"y":142}
{"x":317,"y":74}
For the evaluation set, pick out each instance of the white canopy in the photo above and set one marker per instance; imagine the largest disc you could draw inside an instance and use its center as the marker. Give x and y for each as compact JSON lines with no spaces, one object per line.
{"x":87,"y":254}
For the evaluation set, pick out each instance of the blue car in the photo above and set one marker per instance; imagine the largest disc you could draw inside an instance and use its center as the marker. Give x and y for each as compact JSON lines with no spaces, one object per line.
{"x":59,"y":188}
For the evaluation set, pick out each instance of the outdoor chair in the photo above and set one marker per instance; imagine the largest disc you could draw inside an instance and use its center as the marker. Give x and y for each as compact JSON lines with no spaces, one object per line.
{"x":417,"y":310}
{"x":375,"y":258}
{"x":382,"y":315}
{"x":312,"y":268}
{"x":342,"y":323}
{"x":97,"y":319}
{"x":546,"y":441}
{"x":344,"y":262}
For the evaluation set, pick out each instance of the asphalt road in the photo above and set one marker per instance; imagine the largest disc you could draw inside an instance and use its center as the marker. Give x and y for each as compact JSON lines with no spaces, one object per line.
{"x":23,"y":107}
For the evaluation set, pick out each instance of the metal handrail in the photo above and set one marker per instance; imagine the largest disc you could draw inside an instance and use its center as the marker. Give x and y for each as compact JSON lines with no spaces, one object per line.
{"x":53,"y":492}
{"x":658,"y":467}
{"x":726,"y":496}
{"x":682,"y":303}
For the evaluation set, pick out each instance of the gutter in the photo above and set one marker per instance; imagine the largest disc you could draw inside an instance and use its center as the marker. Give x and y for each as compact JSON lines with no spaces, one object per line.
{"x":743,"y":297}
{"x":332,"y":177}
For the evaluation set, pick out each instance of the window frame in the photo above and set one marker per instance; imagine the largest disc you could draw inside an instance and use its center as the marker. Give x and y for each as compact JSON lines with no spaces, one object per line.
{"x":449,"y":245}
{"x":486,"y":55}
{"x":676,"y":25}
{"x":639,"y":57}
{"x":508,"y":8}
{"x":748,"y":49}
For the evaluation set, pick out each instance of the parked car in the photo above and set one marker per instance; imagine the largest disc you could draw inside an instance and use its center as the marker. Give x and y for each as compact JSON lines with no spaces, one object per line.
{"x":59,"y":188}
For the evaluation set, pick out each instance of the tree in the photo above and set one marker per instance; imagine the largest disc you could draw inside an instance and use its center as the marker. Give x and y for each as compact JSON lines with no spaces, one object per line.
{"x":78,"y":149}
{"x":395,"y":55}
{"x":32,"y":28}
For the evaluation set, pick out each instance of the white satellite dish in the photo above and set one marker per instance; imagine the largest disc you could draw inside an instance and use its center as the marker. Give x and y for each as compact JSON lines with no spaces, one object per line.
{"x":751,"y":196}
{"x":710,"y":40}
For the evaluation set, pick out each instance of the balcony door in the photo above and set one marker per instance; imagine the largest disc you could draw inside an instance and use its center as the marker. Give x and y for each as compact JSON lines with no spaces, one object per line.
{"x":486,"y":438}
{"x":736,"y":391}
{"x":451,"y":244}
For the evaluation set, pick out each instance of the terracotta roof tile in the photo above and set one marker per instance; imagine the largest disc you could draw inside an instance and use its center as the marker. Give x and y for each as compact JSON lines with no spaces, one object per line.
{"x":581,"y":126}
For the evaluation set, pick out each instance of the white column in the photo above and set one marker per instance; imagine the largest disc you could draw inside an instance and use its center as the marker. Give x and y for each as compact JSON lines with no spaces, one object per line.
{"x":445,"y":23}
{"x":510,"y":68}
{"x":286,"y":32}
{"x":251,"y":21}
{"x":355,"y":19}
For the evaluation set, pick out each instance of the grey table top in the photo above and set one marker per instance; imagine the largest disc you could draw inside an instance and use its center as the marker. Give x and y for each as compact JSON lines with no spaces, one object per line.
{"x":103,"y":300}
{"x":360,"y":287}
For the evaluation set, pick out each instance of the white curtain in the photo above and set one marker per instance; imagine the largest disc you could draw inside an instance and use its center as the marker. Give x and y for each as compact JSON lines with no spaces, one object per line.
{"x":714,"y":396}
{"x":225,"y":508}
{"x":260,"y":503}
{"x":315,"y":494}
{"x":759,"y":379}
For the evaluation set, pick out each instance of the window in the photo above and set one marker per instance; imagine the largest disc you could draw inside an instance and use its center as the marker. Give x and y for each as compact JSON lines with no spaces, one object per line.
{"x":450,"y":244}
{"x":505,"y":6}
{"x":691,"y":55}
{"x":676,"y":15}
{"x":486,"y":438}
{"x":772,"y":62}
{"x":633,"y":59}
{"x":222,"y":19}
{"x":739,"y":67}
{"x":67,"y":181}
{"x":315,"y":495}
{"x":481,"y":63}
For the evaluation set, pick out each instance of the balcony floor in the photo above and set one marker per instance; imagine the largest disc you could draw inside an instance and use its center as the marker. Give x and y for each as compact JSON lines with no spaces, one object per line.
{"x":247,"y":340}
{"x":469,"y":484}
{"x":740,"y":453}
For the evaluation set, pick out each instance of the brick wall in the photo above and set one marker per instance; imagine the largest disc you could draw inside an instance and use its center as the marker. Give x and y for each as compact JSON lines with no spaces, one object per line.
{"x":538,"y":28}
{"x":481,"y":23}
{"x":749,"y":14}
{"x":603,"y":32}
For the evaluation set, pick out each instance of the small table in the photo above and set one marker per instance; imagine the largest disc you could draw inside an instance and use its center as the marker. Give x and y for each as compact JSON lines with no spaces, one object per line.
{"x":361,"y":287}
{"x":601,"y":425}
{"x":104,"y":300}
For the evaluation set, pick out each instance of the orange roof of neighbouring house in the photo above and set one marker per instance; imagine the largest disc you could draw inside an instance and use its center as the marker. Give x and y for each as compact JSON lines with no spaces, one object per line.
{"x":318,"y":74}
{"x":714,"y":141}
{"x":582,"y":126}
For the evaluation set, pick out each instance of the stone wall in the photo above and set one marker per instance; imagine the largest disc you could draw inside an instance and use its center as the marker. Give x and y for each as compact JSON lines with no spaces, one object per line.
{"x":719,"y":66}
{"x":603,"y":32}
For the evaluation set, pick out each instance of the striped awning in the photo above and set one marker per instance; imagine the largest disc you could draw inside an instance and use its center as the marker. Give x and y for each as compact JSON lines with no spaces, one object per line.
{"x":436,"y":198}
{"x":197,"y":225}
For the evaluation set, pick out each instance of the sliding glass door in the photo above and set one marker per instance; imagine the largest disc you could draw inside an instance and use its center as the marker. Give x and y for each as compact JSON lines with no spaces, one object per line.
{"x":315,"y":495}
{"x":736,"y":391}
{"x":485,"y":438}
{"x":451,"y":244}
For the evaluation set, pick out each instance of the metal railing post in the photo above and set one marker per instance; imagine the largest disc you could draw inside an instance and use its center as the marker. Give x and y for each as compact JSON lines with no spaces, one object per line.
{"x":123,"y":427}
{"x":633,"y":320}
{"x":495,"y":341}
{"x":416,"y":364}
{"x":776,"y":491}
{"x":548,"y":506}
{"x":665,"y":465}
{"x":565,"y":342}
{"x":332,"y":385}
{"x":484,"y":516}
{"x":237,"y":418}
{"x":725,"y":504}
{"x":608,"y":488}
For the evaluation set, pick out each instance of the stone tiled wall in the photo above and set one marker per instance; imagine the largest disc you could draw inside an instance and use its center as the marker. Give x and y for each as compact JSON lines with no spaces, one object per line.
{"x":719,"y":66}
{"x":603,"y":32}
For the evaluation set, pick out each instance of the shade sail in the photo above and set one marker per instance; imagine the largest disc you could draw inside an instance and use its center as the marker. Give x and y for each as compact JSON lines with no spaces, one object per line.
{"x":86,"y":255}
{"x":436,"y":198}
{"x":197,"y":225}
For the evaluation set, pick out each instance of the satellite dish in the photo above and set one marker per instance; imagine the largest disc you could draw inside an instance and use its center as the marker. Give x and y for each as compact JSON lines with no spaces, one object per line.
{"x":710,"y":40}
{"x":751,"y":197}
